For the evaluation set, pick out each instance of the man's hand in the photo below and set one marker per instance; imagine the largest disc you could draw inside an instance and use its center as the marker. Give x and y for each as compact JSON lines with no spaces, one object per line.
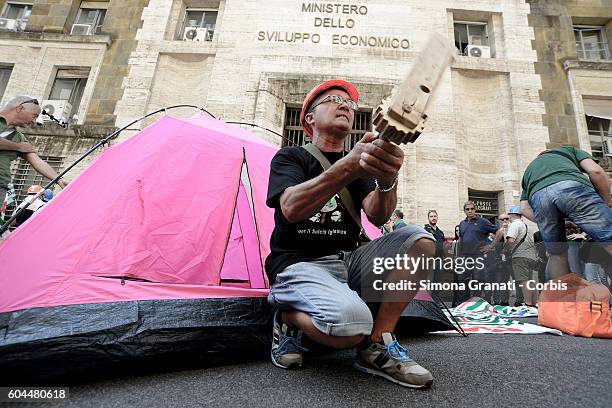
{"x":486,"y":248}
{"x":62,"y":183}
{"x":25,"y":147}
{"x":378,"y":158}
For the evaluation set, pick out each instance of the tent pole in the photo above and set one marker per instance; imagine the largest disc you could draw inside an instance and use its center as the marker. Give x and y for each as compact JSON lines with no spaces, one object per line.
{"x":437,"y":300}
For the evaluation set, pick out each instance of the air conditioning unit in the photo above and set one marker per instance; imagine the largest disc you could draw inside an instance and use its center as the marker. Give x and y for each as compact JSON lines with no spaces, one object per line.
{"x":195,"y":34}
{"x":479,"y":51}
{"x":81,"y":29}
{"x":60,"y":109}
{"x":607,"y":147}
{"x":7,"y":24}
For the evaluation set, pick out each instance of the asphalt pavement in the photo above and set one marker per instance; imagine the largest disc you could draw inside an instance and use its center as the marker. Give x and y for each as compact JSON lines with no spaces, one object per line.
{"x":482,"y":370}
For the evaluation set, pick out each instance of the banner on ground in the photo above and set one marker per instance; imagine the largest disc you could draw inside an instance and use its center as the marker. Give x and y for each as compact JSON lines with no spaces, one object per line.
{"x":476,"y":316}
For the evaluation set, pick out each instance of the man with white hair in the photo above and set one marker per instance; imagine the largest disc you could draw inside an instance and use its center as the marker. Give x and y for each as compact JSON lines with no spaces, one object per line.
{"x":20,"y":111}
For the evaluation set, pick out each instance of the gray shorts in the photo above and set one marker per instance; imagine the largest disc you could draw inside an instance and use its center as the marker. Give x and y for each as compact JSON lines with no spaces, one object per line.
{"x":330,"y":289}
{"x":523,"y":268}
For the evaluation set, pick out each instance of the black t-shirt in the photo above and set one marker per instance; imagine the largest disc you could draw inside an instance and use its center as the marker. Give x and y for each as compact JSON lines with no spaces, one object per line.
{"x":325,"y":233}
{"x":439,"y":236}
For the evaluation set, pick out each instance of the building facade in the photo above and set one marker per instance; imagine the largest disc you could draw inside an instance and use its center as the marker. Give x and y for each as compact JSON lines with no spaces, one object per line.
{"x":528,"y":75}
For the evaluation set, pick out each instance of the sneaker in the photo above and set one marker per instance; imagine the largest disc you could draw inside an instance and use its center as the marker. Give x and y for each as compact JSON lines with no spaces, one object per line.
{"x":286,"y":344}
{"x":390,"y":360}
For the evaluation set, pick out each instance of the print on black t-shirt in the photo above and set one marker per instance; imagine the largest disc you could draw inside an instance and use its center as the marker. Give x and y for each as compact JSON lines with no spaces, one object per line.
{"x":327,"y":224}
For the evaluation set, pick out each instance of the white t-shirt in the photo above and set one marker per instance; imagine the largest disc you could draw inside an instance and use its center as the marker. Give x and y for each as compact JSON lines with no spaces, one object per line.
{"x":517,"y":230}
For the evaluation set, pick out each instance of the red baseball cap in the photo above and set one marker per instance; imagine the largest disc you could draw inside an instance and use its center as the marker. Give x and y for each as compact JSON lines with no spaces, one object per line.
{"x":322,"y":88}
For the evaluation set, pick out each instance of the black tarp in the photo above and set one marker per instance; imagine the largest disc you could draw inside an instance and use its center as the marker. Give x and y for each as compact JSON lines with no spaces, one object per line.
{"x":55,"y":342}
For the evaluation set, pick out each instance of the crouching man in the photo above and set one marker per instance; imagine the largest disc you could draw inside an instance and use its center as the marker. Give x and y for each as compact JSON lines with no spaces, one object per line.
{"x":322,"y":282}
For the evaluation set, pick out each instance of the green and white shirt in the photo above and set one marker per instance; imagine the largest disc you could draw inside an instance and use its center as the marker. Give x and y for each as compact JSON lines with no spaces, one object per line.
{"x":7,"y":156}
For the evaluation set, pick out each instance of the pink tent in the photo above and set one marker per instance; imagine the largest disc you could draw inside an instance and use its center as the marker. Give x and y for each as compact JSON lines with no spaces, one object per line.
{"x":176,"y":210}
{"x":157,"y":247}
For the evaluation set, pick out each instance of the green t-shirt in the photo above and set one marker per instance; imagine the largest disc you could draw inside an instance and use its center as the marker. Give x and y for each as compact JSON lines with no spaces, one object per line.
{"x":551,"y":168}
{"x":7,"y":156}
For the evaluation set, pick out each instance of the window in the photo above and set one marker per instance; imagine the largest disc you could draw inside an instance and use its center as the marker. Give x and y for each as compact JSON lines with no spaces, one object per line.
{"x":88,"y":21}
{"x":25,"y":175}
{"x":467,"y":34}
{"x":591,"y":43}
{"x":68,"y":86}
{"x":199,"y":25}
{"x":15,"y":16}
{"x":5,"y":74}
{"x":293,"y":130}
{"x":600,"y":136}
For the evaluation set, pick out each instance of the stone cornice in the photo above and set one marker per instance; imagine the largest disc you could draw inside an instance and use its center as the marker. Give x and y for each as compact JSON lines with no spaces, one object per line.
{"x":590,"y":65}
{"x":56,"y":37}
{"x":73,"y":131}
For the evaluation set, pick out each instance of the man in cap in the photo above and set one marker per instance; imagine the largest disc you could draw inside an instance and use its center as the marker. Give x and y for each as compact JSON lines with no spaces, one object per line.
{"x":19,"y":111}
{"x":520,"y":247}
{"x":319,"y":276}
{"x":32,"y":203}
{"x":565,"y":182}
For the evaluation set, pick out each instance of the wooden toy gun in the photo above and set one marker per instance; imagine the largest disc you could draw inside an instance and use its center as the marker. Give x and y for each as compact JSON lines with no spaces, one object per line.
{"x":401,"y":117}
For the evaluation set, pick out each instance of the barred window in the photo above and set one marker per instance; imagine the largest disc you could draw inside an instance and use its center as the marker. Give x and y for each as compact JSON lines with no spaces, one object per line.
{"x":294,"y":134}
{"x":24,"y":175}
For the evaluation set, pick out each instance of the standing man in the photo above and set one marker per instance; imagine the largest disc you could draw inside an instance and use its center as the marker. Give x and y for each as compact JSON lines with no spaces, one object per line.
{"x":473,"y":243}
{"x":565,"y":182}
{"x":320,"y":278}
{"x":432,"y":228}
{"x":397,"y":219}
{"x":503,"y":266}
{"x":520,"y":247}
{"x":20,"y":111}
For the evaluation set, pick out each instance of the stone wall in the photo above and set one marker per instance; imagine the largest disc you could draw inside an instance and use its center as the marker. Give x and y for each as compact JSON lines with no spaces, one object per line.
{"x":123,"y":19}
{"x":554,"y":42}
{"x":54,"y":16}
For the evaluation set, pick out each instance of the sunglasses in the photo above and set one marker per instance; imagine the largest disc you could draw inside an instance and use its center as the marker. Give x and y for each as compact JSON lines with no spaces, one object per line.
{"x":34,"y":101}
{"x":505,"y":219}
{"x":338,"y":100}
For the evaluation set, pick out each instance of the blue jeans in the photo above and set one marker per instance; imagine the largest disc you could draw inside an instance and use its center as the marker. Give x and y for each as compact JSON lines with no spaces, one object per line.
{"x":576,"y":264}
{"x":576,"y":201}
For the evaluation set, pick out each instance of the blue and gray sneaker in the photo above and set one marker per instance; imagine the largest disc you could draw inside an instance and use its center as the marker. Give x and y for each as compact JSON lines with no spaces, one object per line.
{"x":390,"y":360}
{"x":286,"y":344}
